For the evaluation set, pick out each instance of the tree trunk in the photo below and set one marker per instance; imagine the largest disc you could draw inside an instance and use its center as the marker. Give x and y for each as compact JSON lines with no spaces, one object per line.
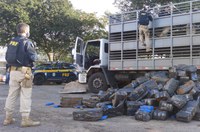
{"x":51,"y":56}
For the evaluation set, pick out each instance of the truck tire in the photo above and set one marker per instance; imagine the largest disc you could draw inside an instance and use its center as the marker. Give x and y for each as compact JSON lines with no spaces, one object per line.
{"x":38,"y":79}
{"x":97,"y":82}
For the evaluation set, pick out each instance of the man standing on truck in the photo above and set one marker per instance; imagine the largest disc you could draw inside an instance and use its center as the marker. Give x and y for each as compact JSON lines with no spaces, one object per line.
{"x":20,"y":56}
{"x":144,"y":18}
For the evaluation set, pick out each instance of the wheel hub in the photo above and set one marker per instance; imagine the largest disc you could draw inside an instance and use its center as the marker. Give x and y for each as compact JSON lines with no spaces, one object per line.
{"x":97,"y":83}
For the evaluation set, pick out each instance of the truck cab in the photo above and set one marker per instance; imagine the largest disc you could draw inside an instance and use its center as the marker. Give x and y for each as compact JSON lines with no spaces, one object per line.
{"x":90,"y":57}
{"x":92,"y":53}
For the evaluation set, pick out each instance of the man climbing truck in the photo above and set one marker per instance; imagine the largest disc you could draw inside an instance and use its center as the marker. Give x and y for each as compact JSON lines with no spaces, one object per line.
{"x":114,"y":62}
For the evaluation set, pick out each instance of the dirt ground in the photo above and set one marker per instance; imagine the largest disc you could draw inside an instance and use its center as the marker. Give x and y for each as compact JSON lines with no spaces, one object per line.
{"x":60,"y":119}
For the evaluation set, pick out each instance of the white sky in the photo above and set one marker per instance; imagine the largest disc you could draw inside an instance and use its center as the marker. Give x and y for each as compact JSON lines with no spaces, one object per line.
{"x":97,"y":6}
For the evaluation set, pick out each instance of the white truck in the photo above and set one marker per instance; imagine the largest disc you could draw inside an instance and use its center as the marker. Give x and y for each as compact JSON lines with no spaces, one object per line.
{"x":175,"y":39}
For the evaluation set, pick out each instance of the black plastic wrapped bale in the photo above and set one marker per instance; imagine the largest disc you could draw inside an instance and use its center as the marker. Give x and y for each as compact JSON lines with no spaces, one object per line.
{"x":171,"y":86}
{"x":197,"y":115}
{"x":151,"y":84}
{"x":70,"y":101}
{"x":143,"y":116}
{"x":183,"y":80}
{"x":141,"y":80}
{"x":172,"y":72}
{"x":138,"y":93}
{"x":152,"y":93}
{"x":90,"y":103}
{"x":181,"y":73}
{"x":133,"y":84}
{"x":151,"y":101}
{"x":183,"y":89}
{"x":88,"y":115}
{"x":160,"y":115}
{"x":127,"y":90}
{"x":194,"y":76}
{"x":163,"y":95}
{"x":103,"y":104}
{"x":195,"y":92}
{"x":165,"y":106}
{"x":187,"y":68}
{"x":133,"y":106}
{"x":117,"y":97}
{"x":149,"y":74}
{"x":116,"y":111}
{"x":191,"y":69}
{"x":179,"y":101}
{"x":173,"y":75}
{"x":197,"y":84}
{"x":160,"y":86}
{"x":188,"y":112}
{"x":182,"y":67}
{"x":101,"y":93}
{"x":160,"y":77}
{"x":106,"y":96}
{"x":189,"y":97}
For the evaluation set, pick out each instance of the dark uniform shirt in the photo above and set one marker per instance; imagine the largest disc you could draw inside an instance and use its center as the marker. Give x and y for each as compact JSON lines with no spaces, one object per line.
{"x":144,"y":18}
{"x":26,"y":53}
{"x":30,"y":49}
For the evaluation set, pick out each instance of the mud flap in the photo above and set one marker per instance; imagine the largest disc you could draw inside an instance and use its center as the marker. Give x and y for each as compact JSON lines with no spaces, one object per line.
{"x":109,"y":77}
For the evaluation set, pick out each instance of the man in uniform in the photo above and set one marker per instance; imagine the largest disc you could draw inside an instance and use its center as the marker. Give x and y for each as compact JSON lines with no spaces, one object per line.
{"x":144,"y":18}
{"x":20,"y":56}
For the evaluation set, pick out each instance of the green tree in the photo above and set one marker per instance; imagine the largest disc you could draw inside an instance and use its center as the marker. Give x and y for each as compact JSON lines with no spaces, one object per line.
{"x":10,"y":15}
{"x":93,"y":28}
{"x":52,"y":27}
{"x":55,"y":24}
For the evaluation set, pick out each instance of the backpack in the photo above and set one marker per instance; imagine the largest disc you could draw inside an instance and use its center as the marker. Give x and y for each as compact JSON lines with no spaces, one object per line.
{"x":12,"y":56}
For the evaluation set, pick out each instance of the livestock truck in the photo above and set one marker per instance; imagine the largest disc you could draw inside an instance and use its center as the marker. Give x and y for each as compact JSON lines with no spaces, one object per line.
{"x":106,"y":63}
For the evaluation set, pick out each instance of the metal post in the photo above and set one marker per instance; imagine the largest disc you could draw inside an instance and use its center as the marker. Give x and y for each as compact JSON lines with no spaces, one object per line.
{"x":153,"y":41}
{"x":137,"y":39}
{"x":122,"y":40}
{"x":191,"y":33}
{"x":109,"y":42}
{"x":171,"y":36}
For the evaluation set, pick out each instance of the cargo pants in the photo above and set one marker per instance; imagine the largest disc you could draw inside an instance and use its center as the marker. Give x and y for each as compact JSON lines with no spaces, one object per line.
{"x":144,"y":36}
{"x":21,"y":87}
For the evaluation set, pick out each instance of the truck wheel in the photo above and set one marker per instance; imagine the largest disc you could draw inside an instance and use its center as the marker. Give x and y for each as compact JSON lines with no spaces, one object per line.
{"x":97,"y":82}
{"x":38,"y":79}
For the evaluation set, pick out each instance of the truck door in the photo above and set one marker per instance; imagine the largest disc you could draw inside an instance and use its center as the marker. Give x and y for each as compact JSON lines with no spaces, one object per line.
{"x":79,"y":47}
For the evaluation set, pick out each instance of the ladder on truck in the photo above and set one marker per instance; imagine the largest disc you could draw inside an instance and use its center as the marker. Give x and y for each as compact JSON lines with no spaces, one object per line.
{"x":180,"y":45}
